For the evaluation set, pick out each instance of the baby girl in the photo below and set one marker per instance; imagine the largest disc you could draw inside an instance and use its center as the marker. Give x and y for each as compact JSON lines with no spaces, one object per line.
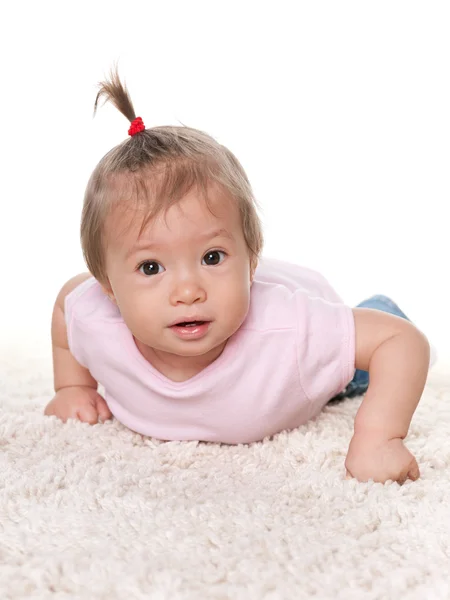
{"x":194,"y":336}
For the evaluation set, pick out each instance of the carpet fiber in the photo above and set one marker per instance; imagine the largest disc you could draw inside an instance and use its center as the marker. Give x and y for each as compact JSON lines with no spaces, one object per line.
{"x":100,"y":512}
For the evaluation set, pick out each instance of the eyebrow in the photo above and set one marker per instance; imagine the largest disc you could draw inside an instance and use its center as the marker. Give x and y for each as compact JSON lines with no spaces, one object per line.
{"x":203,"y":237}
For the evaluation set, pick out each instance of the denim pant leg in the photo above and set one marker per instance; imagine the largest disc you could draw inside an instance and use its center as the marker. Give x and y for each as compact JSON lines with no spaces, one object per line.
{"x":360,"y":382}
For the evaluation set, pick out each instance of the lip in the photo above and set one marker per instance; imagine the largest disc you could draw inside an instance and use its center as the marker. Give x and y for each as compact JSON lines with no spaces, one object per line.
{"x":191,"y":333}
{"x":189,"y":320}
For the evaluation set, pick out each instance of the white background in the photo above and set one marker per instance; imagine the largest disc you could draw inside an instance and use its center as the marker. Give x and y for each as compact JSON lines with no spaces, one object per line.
{"x":339,"y":112}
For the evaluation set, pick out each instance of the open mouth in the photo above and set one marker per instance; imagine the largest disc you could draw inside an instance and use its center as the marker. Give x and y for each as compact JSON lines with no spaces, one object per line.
{"x":190,"y":323}
{"x":191,"y":330}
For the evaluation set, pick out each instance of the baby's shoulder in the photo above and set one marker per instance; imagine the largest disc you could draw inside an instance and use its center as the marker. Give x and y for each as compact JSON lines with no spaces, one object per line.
{"x":69,"y":286}
{"x":271,"y":307}
{"x":296,"y":278}
{"x":88,"y":302}
{"x":282,"y":293}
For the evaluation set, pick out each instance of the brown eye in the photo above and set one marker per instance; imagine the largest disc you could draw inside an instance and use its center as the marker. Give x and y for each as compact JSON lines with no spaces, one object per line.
{"x":150,"y":267}
{"x":213,"y":258}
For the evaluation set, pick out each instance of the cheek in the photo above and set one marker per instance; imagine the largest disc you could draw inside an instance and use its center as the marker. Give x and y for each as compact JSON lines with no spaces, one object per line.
{"x":134,"y":306}
{"x":141,"y":316}
{"x":234,"y":297}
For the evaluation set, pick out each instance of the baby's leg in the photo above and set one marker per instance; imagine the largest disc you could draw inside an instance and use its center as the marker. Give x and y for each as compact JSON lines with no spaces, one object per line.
{"x":360,"y":382}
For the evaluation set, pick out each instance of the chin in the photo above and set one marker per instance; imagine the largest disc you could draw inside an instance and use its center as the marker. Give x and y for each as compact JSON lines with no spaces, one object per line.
{"x":191,"y":350}
{"x":195,"y":348}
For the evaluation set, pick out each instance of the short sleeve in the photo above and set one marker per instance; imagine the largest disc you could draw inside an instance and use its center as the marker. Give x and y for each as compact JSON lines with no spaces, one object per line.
{"x":326,"y":347}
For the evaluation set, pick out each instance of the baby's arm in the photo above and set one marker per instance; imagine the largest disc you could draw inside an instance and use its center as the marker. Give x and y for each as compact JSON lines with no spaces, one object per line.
{"x":396,"y":355}
{"x":76,"y":394}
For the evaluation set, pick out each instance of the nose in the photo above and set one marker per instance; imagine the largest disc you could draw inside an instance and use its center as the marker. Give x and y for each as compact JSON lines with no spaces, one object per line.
{"x":187,"y":291}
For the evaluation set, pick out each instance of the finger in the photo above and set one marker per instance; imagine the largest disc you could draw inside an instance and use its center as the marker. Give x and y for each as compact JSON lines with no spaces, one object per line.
{"x":102,"y":408}
{"x":414,"y":471}
{"x":348,"y":475}
{"x":88,"y":414}
{"x":51,"y":412}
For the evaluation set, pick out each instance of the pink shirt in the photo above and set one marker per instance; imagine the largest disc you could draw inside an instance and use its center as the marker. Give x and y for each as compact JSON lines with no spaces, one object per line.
{"x":294,"y":351}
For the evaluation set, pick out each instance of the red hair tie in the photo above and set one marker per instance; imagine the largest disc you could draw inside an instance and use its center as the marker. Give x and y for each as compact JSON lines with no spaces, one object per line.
{"x":136,"y":126}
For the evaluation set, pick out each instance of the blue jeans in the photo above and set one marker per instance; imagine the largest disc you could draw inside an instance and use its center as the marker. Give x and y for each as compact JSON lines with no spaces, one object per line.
{"x":360,"y":382}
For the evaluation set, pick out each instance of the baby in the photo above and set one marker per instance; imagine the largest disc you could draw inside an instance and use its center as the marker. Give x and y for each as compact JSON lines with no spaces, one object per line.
{"x":194,"y":337}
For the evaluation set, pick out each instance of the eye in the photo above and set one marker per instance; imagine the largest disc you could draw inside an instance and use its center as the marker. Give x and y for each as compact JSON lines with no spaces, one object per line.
{"x":150,"y":267}
{"x":213,"y":257}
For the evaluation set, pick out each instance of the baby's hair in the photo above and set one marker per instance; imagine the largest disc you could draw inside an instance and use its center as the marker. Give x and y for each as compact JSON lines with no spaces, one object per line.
{"x":154,"y":169}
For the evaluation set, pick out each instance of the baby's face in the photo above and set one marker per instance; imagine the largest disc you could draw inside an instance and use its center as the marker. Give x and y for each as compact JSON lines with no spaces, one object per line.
{"x":188,"y":266}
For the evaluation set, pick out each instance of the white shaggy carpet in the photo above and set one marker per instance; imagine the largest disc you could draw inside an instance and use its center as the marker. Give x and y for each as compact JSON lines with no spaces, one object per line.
{"x":100,"y":512}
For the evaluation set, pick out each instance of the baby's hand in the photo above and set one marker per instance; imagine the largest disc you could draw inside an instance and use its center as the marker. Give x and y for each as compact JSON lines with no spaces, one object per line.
{"x":372,"y":457}
{"x":78,"y":402}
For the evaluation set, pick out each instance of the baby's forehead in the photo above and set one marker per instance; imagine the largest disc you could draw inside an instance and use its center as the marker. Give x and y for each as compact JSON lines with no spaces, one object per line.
{"x":186,"y":217}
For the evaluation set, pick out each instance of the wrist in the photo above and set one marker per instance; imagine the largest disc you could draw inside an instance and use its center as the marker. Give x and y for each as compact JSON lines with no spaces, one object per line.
{"x":374,"y":435}
{"x":75,"y":387}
